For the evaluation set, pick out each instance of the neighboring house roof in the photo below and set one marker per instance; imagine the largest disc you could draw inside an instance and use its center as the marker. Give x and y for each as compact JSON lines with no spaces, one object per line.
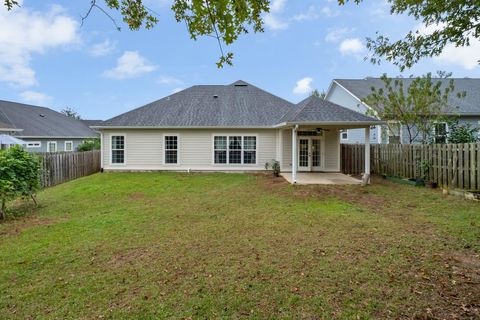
{"x":239,"y":104}
{"x":315,"y":109}
{"x":469,"y":105}
{"x":41,"y":122}
{"x":90,"y":123}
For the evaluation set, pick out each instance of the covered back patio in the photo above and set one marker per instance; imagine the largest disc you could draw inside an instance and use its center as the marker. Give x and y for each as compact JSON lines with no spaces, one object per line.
{"x":309,"y":142}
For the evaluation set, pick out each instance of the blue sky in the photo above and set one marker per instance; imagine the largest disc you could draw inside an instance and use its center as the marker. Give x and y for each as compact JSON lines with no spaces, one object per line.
{"x":47,"y":58}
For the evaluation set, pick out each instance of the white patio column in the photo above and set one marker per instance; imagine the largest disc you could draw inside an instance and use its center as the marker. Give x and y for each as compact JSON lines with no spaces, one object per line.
{"x":366,"y":175}
{"x":294,"y":154}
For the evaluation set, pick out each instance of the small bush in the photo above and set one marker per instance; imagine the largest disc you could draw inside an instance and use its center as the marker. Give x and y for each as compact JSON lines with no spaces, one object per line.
{"x":19,"y":175}
{"x":275,"y":166}
{"x":89,"y":145}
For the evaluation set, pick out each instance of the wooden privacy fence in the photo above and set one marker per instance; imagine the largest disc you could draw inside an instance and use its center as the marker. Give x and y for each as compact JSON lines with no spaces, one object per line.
{"x":449,"y":165}
{"x":57,"y":168}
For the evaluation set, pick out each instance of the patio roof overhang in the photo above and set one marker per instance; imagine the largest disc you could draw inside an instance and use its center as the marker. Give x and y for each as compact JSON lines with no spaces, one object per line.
{"x":337,"y":124}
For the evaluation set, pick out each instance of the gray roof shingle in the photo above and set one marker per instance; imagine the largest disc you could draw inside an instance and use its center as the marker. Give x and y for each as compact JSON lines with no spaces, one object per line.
{"x":315,"y":109}
{"x":41,"y":122}
{"x":236,"y":105}
{"x":470,"y":105}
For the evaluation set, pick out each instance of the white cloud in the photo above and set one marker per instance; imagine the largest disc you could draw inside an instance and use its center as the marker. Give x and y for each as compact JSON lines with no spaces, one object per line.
{"x":328,"y":12}
{"x":102,"y":48}
{"x":274,"y":23}
{"x":466,"y":57}
{"x":303,"y":86}
{"x":131,"y":64}
{"x":176,"y":90}
{"x":352,"y":46}
{"x":277,"y":6}
{"x":24,"y":32}
{"x":337,"y":34}
{"x":168,"y":80}
{"x":309,"y":15}
{"x":272,"y":20}
{"x":35,"y":97}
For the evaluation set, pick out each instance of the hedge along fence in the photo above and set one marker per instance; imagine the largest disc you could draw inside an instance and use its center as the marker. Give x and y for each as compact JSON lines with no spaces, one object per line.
{"x":60,"y":167}
{"x":449,"y":165}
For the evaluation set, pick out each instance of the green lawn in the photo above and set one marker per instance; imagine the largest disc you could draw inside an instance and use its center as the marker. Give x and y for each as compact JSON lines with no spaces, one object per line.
{"x":171,"y":245}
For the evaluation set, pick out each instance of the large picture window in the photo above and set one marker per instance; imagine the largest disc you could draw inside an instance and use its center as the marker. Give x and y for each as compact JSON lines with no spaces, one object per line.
{"x":118,"y":149}
{"x":235,"y":149}
{"x":171,"y":149}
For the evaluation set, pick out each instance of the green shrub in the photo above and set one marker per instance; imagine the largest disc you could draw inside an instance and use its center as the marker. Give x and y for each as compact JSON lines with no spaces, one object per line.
{"x":275,"y":166}
{"x":19,"y":175}
{"x":90,"y":144}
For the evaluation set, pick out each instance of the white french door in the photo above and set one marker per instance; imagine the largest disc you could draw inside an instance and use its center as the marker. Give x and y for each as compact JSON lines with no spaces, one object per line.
{"x":310,"y":154}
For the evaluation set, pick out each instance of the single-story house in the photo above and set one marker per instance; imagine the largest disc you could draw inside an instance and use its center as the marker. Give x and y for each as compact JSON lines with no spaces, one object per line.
{"x":235,"y":127}
{"x":44,"y":129}
{"x":350,"y":93}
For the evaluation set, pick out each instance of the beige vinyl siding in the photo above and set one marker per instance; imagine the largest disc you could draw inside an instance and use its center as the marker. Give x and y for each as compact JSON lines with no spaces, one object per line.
{"x":332,"y":150}
{"x":144,"y":149}
{"x":287,"y":150}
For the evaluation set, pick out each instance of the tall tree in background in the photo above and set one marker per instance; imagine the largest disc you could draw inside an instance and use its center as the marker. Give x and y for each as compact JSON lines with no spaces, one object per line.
{"x":451,"y":21}
{"x":72,"y":113}
{"x":316,"y":93}
{"x":416,"y":107}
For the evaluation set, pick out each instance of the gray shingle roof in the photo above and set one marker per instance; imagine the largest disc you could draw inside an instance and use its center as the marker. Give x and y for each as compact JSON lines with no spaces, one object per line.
{"x":470,"y":105}
{"x":236,"y":105}
{"x":41,"y":122}
{"x":315,"y":109}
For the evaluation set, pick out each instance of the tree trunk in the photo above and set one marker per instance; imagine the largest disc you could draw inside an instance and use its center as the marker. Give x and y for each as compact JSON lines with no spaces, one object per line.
{"x":2,"y":209}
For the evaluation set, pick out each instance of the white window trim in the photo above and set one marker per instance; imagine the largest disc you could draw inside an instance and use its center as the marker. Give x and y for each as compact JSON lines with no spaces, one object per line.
{"x":341,"y":135}
{"x":164,"y":149}
{"x":111,"y":135}
{"x":65,"y":146}
{"x":48,"y":146}
{"x":34,"y":142}
{"x":387,"y":128}
{"x":242,"y":150}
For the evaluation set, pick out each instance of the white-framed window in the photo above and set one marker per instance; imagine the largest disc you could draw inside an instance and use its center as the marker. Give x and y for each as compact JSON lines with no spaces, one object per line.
{"x":235,"y":149}
{"x":52,"y":146}
{"x":68,"y":146}
{"x":478,"y":130}
{"x":171,"y":149}
{"x":344,"y":135}
{"x":34,"y":144}
{"x":394,"y":133}
{"x":118,"y":149}
{"x":440,"y":132}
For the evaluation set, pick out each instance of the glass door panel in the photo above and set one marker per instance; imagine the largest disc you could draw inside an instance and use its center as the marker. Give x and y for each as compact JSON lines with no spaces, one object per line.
{"x":303,"y":157}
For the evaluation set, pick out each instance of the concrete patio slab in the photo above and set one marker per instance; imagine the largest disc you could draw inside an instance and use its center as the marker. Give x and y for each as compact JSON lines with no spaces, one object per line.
{"x":321,"y":178}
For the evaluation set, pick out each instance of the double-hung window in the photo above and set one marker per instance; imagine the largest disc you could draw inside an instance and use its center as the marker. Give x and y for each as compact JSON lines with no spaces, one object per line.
{"x":52,"y":146}
{"x":118,"y":149}
{"x":68,"y":146}
{"x":235,"y":149}
{"x":344,"y":135}
{"x":249,"y":150}
{"x":220,"y":149}
{"x":171,"y":149}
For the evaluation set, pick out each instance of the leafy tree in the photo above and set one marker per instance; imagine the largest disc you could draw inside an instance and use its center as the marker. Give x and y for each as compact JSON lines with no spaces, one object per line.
{"x":72,"y":113}
{"x":19,"y":176}
{"x":416,"y":107}
{"x":316,"y":93}
{"x":90,"y":144}
{"x":461,"y":133}
{"x":452,"y":21}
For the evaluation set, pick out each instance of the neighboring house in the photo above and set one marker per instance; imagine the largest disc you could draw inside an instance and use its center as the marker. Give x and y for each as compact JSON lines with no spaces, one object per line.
{"x":236,"y":127}
{"x":43,"y":129}
{"x":350,"y":92}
